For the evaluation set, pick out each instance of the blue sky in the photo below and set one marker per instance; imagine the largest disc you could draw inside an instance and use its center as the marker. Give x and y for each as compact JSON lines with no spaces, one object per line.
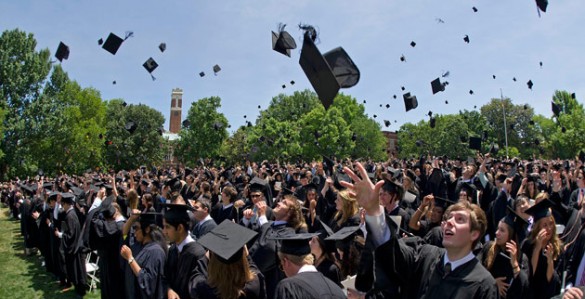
{"x":507,"y":39}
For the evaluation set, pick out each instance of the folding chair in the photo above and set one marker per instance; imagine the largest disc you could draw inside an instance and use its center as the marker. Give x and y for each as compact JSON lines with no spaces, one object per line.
{"x":91,"y":269}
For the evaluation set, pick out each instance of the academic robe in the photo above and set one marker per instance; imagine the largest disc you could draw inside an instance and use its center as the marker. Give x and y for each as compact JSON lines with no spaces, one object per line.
{"x":200,"y":289}
{"x":149,"y":281}
{"x":181,"y":266}
{"x":219,"y":213}
{"x":264,"y":253}
{"x":330,"y":270}
{"x":308,"y":285}
{"x":108,"y":241}
{"x":74,"y":261}
{"x":201,"y":229}
{"x":541,"y":288}
{"x":419,"y":271}
{"x":501,"y":267}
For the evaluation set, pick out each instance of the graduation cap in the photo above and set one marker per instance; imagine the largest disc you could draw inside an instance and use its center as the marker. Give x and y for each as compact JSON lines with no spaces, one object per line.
{"x":474,"y":9}
{"x":216,"y":69}
{"x":432,"y":122}
{"x":466,"y":38}
{"x":202,"y":74}
{"x":68,"y":198}
{"x":47,"y":185}
{"x":555,"y":109}
{"x":340,"y":177}
{"x":162,"y":47}
{"x":53,"y":195}
{"x":343,"y":67}
{"x":227,"y":241}
{"x":186,"y":123}
{"x":387,"y":123}
{"x":402,"y":58}
{"x":475,"y":143}
{"x":175,"y":184}
{"x":62,"y":52}
{"x":283,"y":42}
{"x":392,"y":186}
{"x":541,"y":4}
{"x":573,"y":96}
{"x":131,"y":127}
{"x":149,"y":218}
{"x":257,"y":184}
{"x":410,"y":102}
{"x":540,"y":210}
{"x":328,"y":165}
{"x":294,"y":244}
{"x":494,"y":148}
{"x":387,"y":106}
{"x":530,"y":84}
{"x":113,"y":42}
{"x":150,"y":65}
{"x":471,"y":92}
{"x":343,"y":234}
{"x":412,"y":44}
{"x":437,"y":86}
{"x":177,"y":213}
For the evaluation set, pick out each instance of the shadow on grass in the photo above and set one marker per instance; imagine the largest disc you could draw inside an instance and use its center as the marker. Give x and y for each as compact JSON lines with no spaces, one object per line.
{"x":23,"y":276}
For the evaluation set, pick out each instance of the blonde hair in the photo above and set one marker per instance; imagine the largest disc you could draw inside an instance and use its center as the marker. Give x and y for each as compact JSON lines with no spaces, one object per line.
{"x":296,"y":218}
{"x":132,"y":199}
{"x":299,"y":260}
{"x":229,"y":279}
{"x":555,"y":241}
{"x":349,"y":207}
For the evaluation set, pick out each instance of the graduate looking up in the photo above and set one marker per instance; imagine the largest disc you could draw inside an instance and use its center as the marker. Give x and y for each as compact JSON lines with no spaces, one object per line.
{"x":426,"y":271}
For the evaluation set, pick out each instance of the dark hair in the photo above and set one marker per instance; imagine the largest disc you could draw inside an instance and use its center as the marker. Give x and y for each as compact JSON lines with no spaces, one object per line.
{"x":205,"y":203}
{"x":231,"y":193}
{"x":156,"y":235}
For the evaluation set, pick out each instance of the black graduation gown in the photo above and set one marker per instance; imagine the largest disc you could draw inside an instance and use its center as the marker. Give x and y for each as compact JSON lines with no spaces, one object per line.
{"x":308,"y":285}
{"x":540,"y":286}
{"x":200,"y":289}
{"x":330,"y":270}
{"x":74,"y":261}
{"x":149,"y":282}
{"x":501,"y":267}
{"x":264,"y":253}
{"x":418,"y":269}
{"x":201,"y":229}
{"x":181,"y":266}
{"x":219,"y":214}
{"x":108,"y":240}
{"x":45,"y":233}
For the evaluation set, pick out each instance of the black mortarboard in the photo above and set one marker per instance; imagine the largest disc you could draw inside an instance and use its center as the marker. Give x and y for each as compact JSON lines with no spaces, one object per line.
{"x":494,"y":148}
{"x":216,"y":69}
{"x":432,"y":122}
{"x":392,"y":186}
{"x":175,"y":184}
{"x":555,"y":109}
{"x":62,"y":52}
{"x":344,"y":69}
{"x":530,"y":84}
{"x":542,"y":4}
{"x":573,"y":96}
{"x":177,"y":213}
{"x":227,"y":241}
{"x":78,"y":192}
{"x":283,"y":42}
{"x":318,"y":72}
{"x":186,"y":123}
{"x":475,"y":143}
{"x":466,"y":38}
{"x":471,"y":92}
{"x":257,"y":184}
{"x":410,"y":102}
{"x":202,"y":74}
{"x":412,"y":44}
{"x":328,"y":165}
{"x":443,"y":202}
{"x":295,"y":244}
{"x":131,"y":127}
{"x":162,"y":47}
{"x":150,"y":65}
{"x":343,"y":233}
{"x":48,"y":185}
{"x":437,"y":86}
{"x":113,"y":43}
{"x":149,"y":218}
{"x":540,"y":210}
{"x":67,"y":197}
{"x":387,"y":123}
{"x":54,"y":194}
{"x":402,"y":58}
{"x":341,"y":177}
{"x":474,"y":9}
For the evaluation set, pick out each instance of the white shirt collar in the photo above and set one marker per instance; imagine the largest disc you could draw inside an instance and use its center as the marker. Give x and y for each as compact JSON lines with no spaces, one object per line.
{"x":307,"y":268}
{"x":187,"y":240}
{"x":228,"y":206}
{"x":459,"y":262}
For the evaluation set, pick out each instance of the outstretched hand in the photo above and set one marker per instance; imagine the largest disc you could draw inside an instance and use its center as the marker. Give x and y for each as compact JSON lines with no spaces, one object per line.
{"x":366,"y":192}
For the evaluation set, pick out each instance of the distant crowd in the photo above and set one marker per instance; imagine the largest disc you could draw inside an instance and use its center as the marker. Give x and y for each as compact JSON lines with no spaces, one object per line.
{"x":420,"y":228}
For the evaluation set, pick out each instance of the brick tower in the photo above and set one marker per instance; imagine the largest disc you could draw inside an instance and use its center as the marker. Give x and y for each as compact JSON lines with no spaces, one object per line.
{"x":176,"y":108}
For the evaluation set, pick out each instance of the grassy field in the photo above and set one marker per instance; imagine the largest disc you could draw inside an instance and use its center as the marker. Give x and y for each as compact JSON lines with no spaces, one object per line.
{"x":22,"y":276}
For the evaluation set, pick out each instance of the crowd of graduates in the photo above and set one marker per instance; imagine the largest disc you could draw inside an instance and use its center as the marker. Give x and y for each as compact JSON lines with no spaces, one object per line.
{"x":420,"y":228}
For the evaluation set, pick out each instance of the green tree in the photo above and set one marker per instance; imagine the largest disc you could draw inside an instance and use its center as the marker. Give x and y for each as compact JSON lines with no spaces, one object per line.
{"x":127,"y":149}
{"x":22,"y":76}
{"x":566,"y":137}
{"x":206,"y":133}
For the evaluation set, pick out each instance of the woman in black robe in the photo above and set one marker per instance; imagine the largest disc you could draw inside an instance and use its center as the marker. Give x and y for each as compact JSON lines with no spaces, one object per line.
{"x":148,"y":266}
{"x":324,"y":259}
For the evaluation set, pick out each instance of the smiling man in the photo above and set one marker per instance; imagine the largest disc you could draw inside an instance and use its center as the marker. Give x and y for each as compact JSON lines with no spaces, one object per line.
{"x":426,"y":271}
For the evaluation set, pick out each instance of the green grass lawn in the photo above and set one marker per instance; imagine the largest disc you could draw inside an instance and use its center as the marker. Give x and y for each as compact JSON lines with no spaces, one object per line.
{"x":22,"y":276}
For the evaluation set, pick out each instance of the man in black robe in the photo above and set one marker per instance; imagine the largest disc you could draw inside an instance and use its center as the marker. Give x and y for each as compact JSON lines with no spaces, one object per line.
{"x":303,"y":280}
{"x":184,"y":252}
{"x":425,"y":271}
{"x":205,"y":223}
{"x":69,"y":235}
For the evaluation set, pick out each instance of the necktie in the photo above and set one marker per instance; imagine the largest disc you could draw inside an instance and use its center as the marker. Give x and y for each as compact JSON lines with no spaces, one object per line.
{"x":447,"y":269}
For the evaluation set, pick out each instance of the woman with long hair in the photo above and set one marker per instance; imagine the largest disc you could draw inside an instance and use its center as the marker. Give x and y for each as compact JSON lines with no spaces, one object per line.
{"x":507,"y":264}
{"x":325,"y":261}
{"x":227,"y":273}
{"x":149,"y":264}
{"x":347,"y":211}
{"x":543,"y":248}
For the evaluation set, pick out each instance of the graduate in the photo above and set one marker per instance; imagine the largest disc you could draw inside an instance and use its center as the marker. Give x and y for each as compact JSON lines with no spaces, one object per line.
{"x":303,"y":280}
{"x":149,"y":264}
{"x":228,"y":273}
{"x":226,"y":209}
{"x":425,"y":271}
{"x":69,"y":235}
{"x":184,"y":252}
{"x":205,"y":223}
